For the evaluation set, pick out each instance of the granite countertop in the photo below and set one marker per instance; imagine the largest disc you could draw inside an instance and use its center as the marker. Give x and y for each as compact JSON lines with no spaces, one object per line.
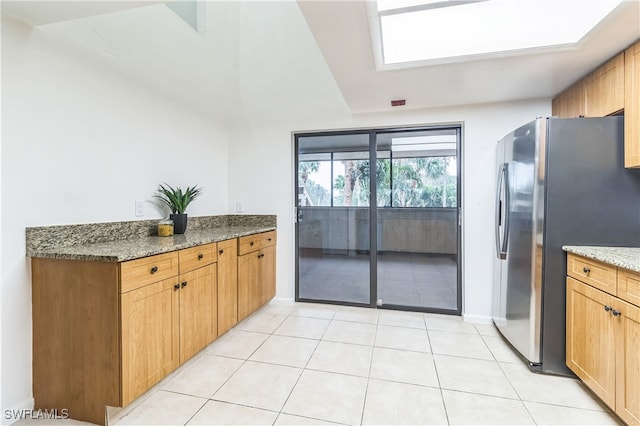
{"x":624,"y":257}
{"x":135,"y":248}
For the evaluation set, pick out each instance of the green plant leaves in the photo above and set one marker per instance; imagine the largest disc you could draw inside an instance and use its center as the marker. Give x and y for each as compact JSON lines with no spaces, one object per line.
{"x":175,"y":198}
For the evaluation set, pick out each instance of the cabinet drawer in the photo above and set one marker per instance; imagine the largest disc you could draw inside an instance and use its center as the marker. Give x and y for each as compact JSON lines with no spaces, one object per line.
{"x":140,"y":272}
{"x":255,"y":242}
{"x":629,"y":286}
{"x":196,"y":257}
{"x":592,"y":272}
{"x":268,"y":238}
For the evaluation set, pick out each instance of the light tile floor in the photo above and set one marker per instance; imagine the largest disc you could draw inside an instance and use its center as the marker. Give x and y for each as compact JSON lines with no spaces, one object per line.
{"x":299,"y":364}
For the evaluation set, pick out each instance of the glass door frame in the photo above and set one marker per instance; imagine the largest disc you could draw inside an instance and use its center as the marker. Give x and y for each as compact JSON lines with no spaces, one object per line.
{"x":373,"y":216}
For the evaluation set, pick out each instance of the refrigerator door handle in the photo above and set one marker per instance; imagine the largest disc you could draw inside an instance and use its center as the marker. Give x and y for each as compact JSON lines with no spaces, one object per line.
{"x":507,"y":212}
{"x":498,"y":223}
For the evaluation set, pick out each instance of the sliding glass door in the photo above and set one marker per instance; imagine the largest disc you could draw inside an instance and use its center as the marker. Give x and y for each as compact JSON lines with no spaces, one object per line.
{"x":333,"y":218}
{"x":399,"y":251}
{"x":417,"y":213}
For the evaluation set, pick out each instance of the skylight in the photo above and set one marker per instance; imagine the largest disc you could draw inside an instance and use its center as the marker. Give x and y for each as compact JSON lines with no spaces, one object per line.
{"x":436,"y":30}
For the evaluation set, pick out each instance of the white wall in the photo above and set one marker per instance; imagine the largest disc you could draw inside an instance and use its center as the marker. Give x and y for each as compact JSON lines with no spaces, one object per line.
{"x":269,"y":148}
{"x":80,"y":144}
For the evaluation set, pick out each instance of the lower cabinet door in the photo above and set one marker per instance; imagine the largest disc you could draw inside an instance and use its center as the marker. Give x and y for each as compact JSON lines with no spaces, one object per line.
{"x":591,"y":338}
{"x":248,"y":284}
{"x":227,"y":285}
{"x":198,"y":310}
{"x":150,"y":336}
{"x":628,"y":364}
{"x":268,"y":274}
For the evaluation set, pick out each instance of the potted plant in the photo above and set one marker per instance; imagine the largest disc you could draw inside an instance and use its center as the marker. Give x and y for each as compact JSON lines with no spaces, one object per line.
{"x":177,"y":200}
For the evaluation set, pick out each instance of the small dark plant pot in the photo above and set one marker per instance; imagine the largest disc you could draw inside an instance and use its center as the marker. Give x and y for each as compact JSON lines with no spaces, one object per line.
{"x":179,"y":223}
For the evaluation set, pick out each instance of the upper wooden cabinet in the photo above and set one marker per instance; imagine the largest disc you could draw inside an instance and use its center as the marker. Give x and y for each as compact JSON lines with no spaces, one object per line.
{"x":604,"y":89}
{"x":632,"y":106}
{"x":598,"y":94}
{"x":570,"y":103}
{"x":611,"y":88}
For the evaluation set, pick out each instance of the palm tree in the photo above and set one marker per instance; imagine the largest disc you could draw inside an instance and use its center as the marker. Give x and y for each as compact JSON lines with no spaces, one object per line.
{"x":403,"y":182}
{"x":304,"y":169}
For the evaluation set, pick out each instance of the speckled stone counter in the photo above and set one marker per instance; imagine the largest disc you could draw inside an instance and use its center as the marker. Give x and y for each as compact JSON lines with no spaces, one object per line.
{"x":624,"y":257}
{"x":121,"y":241}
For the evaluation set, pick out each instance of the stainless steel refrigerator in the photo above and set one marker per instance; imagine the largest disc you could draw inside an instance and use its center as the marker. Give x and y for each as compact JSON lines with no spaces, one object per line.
{"x":559,"y":182}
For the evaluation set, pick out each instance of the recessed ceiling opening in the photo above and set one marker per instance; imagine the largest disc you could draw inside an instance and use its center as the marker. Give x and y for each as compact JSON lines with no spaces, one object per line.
{"x":447,"y":30}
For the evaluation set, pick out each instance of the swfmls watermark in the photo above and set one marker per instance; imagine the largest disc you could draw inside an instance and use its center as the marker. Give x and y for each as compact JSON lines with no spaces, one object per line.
{"x":46,"y":414}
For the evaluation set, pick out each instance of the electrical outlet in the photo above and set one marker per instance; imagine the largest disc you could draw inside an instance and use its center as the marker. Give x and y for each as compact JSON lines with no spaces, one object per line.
{"x":139,"y":208}
{"x":239,"y":208}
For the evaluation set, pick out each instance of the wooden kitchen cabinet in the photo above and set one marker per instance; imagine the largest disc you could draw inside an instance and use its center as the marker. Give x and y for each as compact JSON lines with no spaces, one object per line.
{"x":198,"y":298}
{"x":248,"y":284}
{"x":611,"y":88}
{"x":167,"y":322}
{"x":632,"y":106}
{"x":597,"y":274}
{"x":256,"y":272}
{"x":198,"y":310}
{"x":227,"y":285}
{"x":604,"y":89}
{"x":76,"y":337}
{"x":591,"y":339}
{"x":603,"y":332}
{"x":570,"y":103}
{"x":600,"y":93}
{"x":106,"y":332}
{"x":268,"y":273}
{"x":628,"y":365}
{"x":150,"y":336}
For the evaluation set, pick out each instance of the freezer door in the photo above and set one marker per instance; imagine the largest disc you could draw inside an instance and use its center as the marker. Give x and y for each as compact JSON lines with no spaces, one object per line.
{"x":521,"y":316}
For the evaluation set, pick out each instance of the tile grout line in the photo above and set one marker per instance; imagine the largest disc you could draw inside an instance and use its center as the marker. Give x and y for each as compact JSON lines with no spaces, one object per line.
{"x":366,"y":389}
{"x":435,"y":368}
{"x":244,"y":361}
{"x":302,"y":371}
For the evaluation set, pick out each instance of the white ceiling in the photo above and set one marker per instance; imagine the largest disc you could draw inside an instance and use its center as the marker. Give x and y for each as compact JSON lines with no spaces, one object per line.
{"x":274,"y":57}
{"x":47,"y":12}
{"x":342,"y":32}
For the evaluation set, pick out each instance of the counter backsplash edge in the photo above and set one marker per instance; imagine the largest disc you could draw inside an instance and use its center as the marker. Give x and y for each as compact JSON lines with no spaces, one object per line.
{"x":49,"y":237}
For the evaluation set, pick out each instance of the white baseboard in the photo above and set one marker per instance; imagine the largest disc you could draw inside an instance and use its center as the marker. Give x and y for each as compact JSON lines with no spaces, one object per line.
{"x":283,"y":300}
{"x":477,"y":319}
